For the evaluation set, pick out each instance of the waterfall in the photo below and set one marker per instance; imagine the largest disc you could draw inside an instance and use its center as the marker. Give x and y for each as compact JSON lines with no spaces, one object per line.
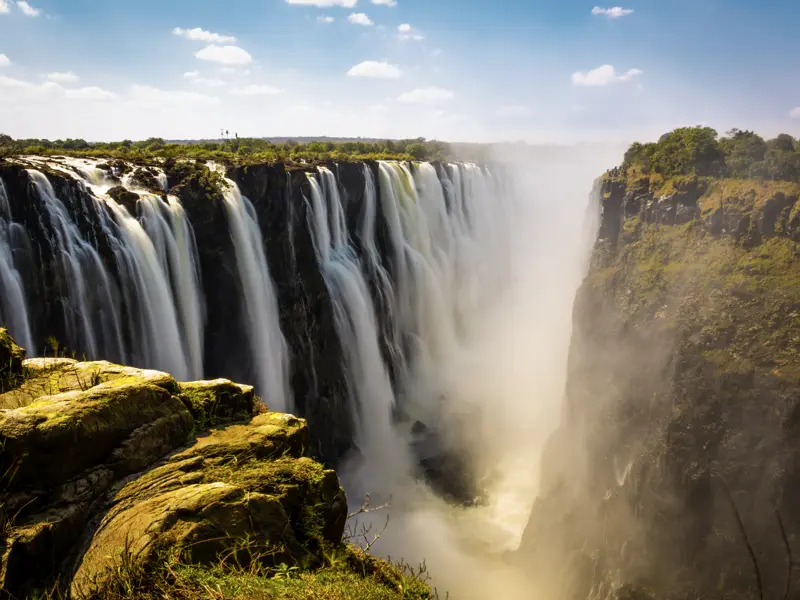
{"x":369,"y":385}
{"x":13,"y":307}
{"x":159,"y":344}
{"x":151,"y":270}
{"x":90,"y":313}
{"x":167,"y":226}
{"x":267,"y":344}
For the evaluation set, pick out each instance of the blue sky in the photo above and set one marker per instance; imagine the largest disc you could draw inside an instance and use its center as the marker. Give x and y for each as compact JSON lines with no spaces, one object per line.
{"x":462,"y":70}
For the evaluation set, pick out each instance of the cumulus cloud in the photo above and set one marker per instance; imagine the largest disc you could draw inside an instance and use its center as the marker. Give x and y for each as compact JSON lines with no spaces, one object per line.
{"x":148,"y":96}
{"x":513,"y":111}
{"x":225,"y":55}
{"x":406,"y":32}
{"x":603,"y":75}
{"x":197,"y":79}
{"x":427,"y":95}
{"x":795,"y":113}
{"x":201,"y":35}
{"x":359,"y":19}
{"x":612,"y":13}
{"x":256,"y":90}
{"x":325,"y":19}
{"x":91,"y":93}
{"x":375,"y":69}
{"x":68,"y":77}
{"x":4,"y":61}
{"x":4,"y":7}
{"x":325,"y":3}
{"x":27,"y":9}
{"x":208,"y":82}
{"x":28,"y":89}
{"x":385,"y":2}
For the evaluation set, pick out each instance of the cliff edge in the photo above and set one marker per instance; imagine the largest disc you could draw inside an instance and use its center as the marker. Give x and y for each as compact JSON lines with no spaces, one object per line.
{"x":676,"y":469}
{"x":124,"y":483}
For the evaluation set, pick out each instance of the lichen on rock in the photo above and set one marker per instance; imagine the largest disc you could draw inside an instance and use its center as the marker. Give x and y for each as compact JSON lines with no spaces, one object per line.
{"x":109,"y":468}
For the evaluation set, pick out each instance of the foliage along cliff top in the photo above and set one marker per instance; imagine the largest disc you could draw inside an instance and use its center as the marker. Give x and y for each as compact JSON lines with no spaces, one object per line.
{"x":233,"y":151}
{"x":700,"y":152}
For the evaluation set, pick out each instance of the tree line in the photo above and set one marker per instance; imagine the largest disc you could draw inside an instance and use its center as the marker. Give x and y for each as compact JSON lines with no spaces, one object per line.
{"x":236,"y":149}
{"x":701,"y":151}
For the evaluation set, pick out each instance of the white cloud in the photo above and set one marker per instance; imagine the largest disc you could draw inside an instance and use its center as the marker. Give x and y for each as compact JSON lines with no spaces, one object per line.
{"x":795,"y":113}
{"x":208,"y":82}
{"x":375,"y":69}
{"x":4,"y":61}
{"x":603,"y":76}
{"x":226,"y":55}
{"x":513,"y":111}
{"x":28,"y":9}
{"x":378,"y":108}
{"x":428,"y":95}
{"x":4,"y":7}
{"x":201,"y":35}
{"x":612,"y":13}
{"x":195,"y":78}
{"x":385,"y":2}
{"x":68,"y":77}
{"x":406,"y":32}
{"x":90,"y":93}
{"x":151,"y":97}
{"x":325,"y":19}
{"x":256,"y":90}
{"x":359,"y":19}
{"x":437,"y":52}
{"x":30,"y":89}
{"x":325,"y":3}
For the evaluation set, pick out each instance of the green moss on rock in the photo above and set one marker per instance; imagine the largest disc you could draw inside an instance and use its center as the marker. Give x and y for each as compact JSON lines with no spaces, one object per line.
{"x":11,"y":357}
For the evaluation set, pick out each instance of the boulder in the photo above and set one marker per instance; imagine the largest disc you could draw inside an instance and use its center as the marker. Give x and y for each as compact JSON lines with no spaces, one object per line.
{"x":241,"y":493}
{"x":11,"y":357}
{"x":145,"y":179}
{"x":124,"y":197}
{"x":49,"y":376}
{"x":218,"y":401}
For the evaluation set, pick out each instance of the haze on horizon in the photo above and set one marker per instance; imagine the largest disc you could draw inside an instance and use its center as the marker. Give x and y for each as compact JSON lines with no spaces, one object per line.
{"x":469,"y":70}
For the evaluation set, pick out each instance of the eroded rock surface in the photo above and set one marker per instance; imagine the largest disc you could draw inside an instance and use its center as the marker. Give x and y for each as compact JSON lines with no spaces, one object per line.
{"x":682,"y":398}
{"x":100,"y":459}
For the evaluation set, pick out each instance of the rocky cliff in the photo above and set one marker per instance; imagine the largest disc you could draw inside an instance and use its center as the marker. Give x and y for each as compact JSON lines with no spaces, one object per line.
{"x":676,"y":469}
{"x":280,"y":199}
{"x":124,"y":483}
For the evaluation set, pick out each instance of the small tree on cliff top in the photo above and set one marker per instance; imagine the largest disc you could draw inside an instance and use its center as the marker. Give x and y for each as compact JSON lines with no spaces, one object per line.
{"x":688,"y":151}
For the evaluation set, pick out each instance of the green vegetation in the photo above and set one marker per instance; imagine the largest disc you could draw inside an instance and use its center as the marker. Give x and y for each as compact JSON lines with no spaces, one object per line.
{"x":236,"y":150}
{"x":349,"y":573}
{"x":700,"y":151}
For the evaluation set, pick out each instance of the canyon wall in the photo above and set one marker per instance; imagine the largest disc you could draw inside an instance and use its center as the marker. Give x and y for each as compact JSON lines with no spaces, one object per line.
{"x":676,"y":469}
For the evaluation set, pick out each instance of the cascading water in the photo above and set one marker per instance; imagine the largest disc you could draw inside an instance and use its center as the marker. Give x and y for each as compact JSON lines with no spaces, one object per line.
{"x":437,"y":288}
{"x":13,"y":307}
{"x":267,"y":343}
{"x":370,"y":388}
{"x":167,"y":226}
{"x":91,"y":313}
{"x":151,"y":272}
{"x":160,"y":343}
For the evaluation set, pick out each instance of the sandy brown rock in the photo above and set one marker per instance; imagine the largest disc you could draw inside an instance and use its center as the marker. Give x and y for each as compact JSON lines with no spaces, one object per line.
{"x":243,"y":483}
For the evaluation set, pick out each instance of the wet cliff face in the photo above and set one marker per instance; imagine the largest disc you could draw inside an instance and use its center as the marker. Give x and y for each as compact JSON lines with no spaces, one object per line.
{"x":682,"y":413}
{"x":319,"y":385}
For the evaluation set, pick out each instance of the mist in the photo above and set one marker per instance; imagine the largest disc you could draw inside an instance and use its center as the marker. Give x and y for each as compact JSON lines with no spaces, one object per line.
{"x":499,"y":391}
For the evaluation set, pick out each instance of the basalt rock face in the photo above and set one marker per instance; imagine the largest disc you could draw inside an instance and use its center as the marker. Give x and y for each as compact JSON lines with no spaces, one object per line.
{"x":682,"y":411}
{"x":306,"y":311}
{"x":104,"y":463}
{"x":279,"y":196}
